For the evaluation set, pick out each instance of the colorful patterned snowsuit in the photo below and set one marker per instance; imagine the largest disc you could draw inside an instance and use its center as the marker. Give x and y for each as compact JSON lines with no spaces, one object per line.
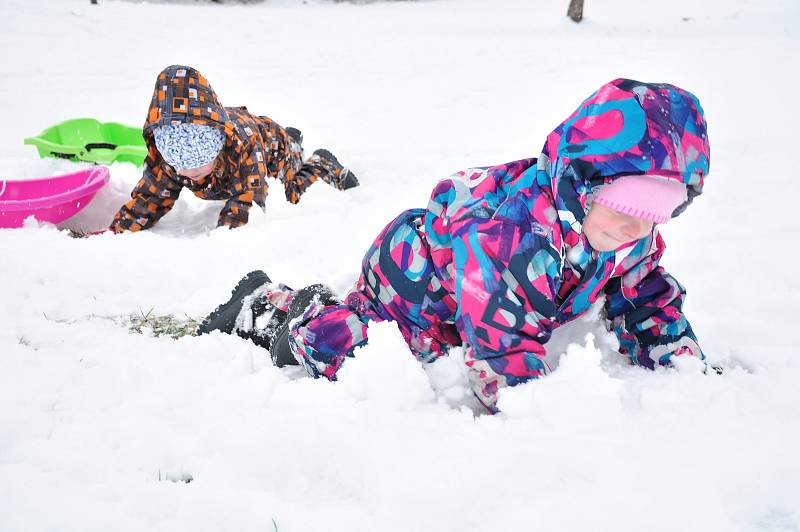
{"x":255,"y":148}
{"x":498,"y":259}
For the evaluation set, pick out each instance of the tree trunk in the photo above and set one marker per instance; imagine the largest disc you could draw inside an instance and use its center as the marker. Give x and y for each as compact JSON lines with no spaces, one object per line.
{"x":575,"y":11}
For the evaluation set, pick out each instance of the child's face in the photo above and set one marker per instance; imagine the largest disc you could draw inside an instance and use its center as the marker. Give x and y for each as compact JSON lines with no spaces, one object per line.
{"x":607,"y":229}
{"x":197,"y":174}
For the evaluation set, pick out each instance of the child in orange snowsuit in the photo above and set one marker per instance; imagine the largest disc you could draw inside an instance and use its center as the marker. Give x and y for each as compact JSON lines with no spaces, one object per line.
{"x":219,"y":153}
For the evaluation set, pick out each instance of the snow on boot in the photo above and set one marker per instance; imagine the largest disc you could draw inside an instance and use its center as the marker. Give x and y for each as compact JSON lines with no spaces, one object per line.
{"x":343,"y":178}
{"x":263,"y":321}
{"x":224,"y":316}
{"x":280,"y":350}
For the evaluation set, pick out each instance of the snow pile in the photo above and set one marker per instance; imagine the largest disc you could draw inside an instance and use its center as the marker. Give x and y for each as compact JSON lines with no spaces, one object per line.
{"x":383,"y":373}
{"x":101,"y":428}
{"x":580,"y":392}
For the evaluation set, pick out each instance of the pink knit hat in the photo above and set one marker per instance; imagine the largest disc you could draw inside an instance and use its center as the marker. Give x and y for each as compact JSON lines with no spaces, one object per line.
{"x":649,"y":197}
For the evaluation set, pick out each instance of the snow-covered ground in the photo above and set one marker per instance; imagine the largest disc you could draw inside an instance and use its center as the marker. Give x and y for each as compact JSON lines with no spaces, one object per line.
{"x":100,"y":428}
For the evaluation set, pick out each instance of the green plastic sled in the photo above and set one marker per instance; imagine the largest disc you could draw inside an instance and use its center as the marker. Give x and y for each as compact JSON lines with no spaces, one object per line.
{"x":86,"y":139}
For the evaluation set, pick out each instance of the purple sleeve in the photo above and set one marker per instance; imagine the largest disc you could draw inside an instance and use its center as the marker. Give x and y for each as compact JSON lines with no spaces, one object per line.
{"x":645,"y":310}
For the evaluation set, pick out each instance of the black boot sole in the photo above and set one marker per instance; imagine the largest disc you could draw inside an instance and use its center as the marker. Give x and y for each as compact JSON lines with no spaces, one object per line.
{"x":347,"y":179}
{"x":224,"y":316}
{"x":325,"y":154}
{"x":295,"y":134}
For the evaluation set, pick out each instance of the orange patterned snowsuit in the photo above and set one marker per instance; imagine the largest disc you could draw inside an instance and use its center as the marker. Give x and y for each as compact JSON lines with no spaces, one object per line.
{"x":255,"y":148}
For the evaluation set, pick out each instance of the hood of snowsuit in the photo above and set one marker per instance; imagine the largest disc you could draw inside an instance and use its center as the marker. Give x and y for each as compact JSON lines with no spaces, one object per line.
{"x":182,"y":95}
{"x":626,"y":127}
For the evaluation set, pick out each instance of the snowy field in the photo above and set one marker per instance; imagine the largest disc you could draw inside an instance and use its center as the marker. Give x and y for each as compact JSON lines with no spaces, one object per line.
{"x":100,"y":428}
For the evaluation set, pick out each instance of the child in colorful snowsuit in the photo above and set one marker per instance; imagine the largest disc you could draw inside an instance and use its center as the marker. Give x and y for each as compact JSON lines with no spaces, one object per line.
{"x":219,"y":153}
{"x":505,"y":254}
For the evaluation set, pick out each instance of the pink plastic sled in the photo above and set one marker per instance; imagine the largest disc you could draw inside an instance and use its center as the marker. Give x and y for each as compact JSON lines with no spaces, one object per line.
{"x":49,"y":199}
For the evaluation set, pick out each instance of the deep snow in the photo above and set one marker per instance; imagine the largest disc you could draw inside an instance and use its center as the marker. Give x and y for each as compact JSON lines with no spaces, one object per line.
{"x":99,"y":427}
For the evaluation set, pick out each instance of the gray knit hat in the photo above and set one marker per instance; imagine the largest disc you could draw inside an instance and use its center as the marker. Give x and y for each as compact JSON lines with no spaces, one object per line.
{"x":188,"y":145}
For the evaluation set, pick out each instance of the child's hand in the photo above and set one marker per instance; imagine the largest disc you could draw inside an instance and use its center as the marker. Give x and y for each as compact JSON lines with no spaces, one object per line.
{"x":684,"y":347}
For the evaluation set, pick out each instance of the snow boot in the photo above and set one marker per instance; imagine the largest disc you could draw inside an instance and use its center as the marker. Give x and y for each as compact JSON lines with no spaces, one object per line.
{"x":295,"y":134}
{"x":224,"y":316}
{"x":343,"y":178}
{"x":262,"y":336}
{"x":280,"y":350}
